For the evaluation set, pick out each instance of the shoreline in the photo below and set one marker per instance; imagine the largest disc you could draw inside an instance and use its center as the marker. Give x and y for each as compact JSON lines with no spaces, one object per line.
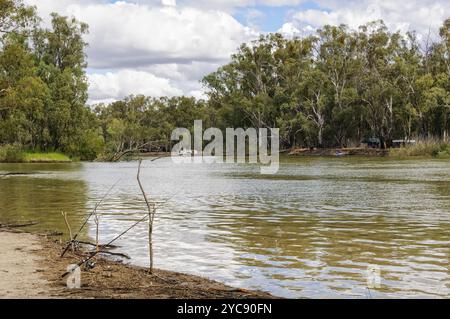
{"x":339,"y":152}
{"x":31,"y":267}
{"x":393,"y":153}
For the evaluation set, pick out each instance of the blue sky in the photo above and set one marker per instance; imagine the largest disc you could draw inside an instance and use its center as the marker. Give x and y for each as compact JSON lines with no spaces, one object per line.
{"x":273,"y":17}
{"x":165,"y":47}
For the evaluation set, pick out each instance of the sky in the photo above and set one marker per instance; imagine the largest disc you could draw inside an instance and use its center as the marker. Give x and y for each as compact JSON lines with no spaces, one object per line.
{"x":165,"y":47}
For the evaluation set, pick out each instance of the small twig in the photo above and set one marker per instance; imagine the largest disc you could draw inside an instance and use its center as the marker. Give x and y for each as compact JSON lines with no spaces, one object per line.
{"x":70,"y":230}
{"x":96,"y":230}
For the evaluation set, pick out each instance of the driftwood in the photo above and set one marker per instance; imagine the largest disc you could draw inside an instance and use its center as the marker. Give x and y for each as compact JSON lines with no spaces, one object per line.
{"x":18,"y":225}
{"x":114,"y":254}
{"x":53,"y":233}
{"x":150,"y":217}
{"x":93,"y":254}
{"x":87,"y":219}
{"x":95,"y":245}
{"x":15,"y":174}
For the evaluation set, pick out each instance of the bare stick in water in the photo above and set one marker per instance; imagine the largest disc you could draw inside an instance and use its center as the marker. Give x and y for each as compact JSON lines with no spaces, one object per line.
{"x":151,"y":216}
{"x":70,"y":230}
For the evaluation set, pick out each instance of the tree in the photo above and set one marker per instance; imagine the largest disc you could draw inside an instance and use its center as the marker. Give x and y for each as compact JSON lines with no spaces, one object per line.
{"x":16,"y":18}
{"x":336,"y":56}
{"x":377,"y":83}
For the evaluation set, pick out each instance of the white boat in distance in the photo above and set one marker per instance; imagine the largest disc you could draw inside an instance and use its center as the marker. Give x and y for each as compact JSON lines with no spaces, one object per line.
{"x":188,"y":153}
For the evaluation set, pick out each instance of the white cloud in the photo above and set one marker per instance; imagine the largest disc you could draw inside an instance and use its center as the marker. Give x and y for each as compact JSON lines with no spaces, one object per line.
{"x":115,"y":86}
{"x":229,"y":5}
{"x":170,"y":3}
{"x":130,"y":35}
{"x":164,"y":47}
{"x":153,"y":41}
{"x":289,"y":30}
{"x":417,"y":15}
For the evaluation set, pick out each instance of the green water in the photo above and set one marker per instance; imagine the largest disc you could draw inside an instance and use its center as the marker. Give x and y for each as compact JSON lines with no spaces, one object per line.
{"x":312,"y":230}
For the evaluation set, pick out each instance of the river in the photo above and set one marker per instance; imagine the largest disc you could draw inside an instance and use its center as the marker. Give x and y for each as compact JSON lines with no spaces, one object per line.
{"x":317,"y":229}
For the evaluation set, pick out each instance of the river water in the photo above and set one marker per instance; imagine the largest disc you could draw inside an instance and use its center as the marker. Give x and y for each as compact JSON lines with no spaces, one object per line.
{"x":320,"y":228}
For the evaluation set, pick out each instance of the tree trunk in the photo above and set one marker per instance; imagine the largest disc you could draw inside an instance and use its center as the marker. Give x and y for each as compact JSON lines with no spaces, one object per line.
{"x":320,"y":137}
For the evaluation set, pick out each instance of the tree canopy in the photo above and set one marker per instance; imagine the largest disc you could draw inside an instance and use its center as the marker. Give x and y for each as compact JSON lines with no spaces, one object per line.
{"x":333,"y":88}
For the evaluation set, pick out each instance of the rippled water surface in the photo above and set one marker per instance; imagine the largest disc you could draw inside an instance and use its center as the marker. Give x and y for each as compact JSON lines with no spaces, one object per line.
{"x":312,"y":230}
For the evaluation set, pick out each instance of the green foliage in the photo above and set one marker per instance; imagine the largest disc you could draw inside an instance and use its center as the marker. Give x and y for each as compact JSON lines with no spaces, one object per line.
{"x":11,"y":153}
{"x":43,"y":86}
{"x":146,"y":124}
{"x":337,"y":87}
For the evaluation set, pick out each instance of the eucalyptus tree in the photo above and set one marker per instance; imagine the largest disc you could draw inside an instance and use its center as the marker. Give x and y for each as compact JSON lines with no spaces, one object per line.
{"x":377,"y":84}
{"x":61,"y":62}
{"x":338,"y":60}
{"x":16,"y":18}
{"x":248,"y":86}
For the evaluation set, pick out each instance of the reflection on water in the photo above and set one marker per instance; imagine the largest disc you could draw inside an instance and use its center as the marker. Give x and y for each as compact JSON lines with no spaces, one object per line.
{"x":309,"y":231}
{"x":41,"y":194}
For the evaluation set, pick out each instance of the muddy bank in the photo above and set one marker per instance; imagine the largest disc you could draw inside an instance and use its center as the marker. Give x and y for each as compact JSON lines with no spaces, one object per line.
{"x":338,"y":152}
{"x":31,"y":267}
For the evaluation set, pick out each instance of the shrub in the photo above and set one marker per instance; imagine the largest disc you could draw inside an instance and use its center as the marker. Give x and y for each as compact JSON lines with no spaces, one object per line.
{"x":11,"y":153}
{"x":430,"y":147}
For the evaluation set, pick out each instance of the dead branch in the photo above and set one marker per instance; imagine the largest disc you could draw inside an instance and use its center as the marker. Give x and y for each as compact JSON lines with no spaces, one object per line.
{"x":92,"y":255}
{"x":18,"y":225}
{"x":114,"y":254}
{"x":90,"y":215}
{"x":14,"y":174}
{"x":119,"y":155}
{"x":53,"y":233}
{"x":95,"y":245}
{"x":151,"y":216}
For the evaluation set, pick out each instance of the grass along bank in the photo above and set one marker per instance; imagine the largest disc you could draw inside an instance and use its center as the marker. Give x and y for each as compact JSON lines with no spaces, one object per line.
{"x":428,"y":148}
{"x":15,"y":154}
{"x":46,"y":158}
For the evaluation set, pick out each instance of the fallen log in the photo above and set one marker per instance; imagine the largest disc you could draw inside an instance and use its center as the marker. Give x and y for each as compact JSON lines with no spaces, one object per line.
{"x":18,"y":225}
{"x":115,"y":254}
{"x":17,"y":174}
{"x":53,"y":233}
{"x":95,"y":245}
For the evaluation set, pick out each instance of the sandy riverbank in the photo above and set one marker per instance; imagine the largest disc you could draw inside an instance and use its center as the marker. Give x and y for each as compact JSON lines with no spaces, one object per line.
{"x":30,"y":267}
{"x":20,"y":272}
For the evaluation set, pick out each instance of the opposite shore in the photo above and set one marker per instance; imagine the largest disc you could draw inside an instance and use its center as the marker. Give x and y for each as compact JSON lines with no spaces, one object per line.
{"x":426,"y":149}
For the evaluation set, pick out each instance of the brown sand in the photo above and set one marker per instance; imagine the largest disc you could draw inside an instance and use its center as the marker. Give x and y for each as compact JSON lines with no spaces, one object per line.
{"x":31,"y":267}
{"x":20,"y":275}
